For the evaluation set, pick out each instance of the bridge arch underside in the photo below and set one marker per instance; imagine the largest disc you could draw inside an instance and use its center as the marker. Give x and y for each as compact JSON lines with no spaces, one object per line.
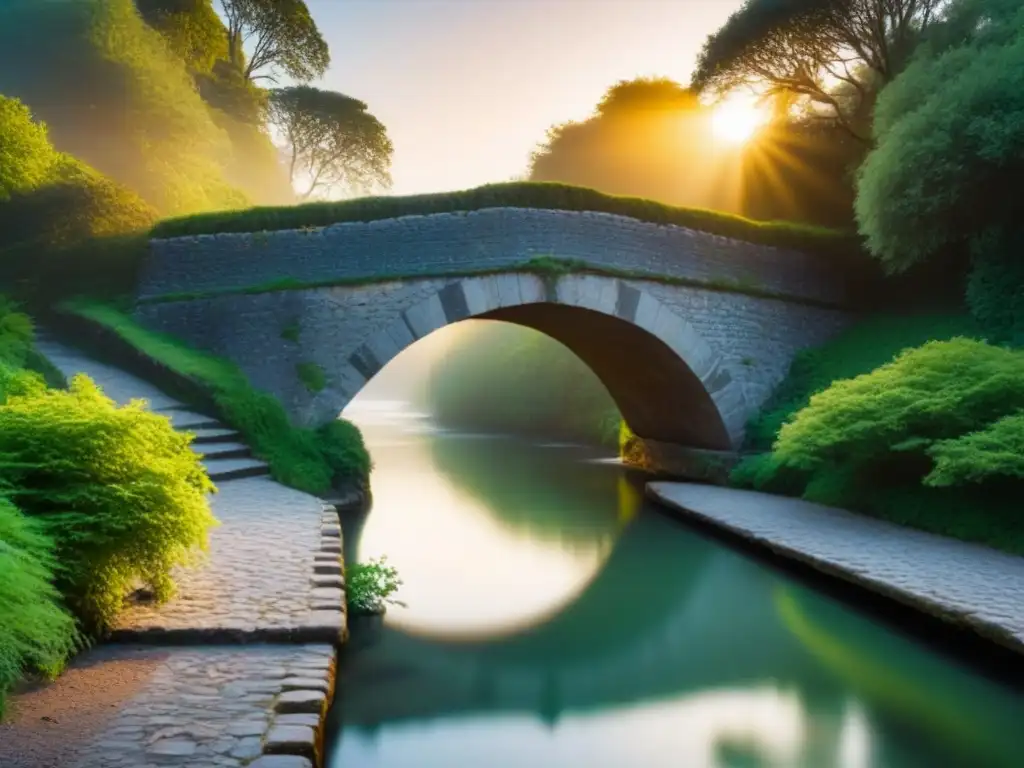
{"x":668,"y":383}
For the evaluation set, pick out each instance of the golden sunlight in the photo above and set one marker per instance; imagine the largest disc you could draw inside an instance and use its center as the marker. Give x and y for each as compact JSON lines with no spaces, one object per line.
{"x":736,"y":119}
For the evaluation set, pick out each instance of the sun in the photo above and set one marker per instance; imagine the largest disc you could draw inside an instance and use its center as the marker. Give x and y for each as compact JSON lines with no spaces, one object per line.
{"x":736,"y":120}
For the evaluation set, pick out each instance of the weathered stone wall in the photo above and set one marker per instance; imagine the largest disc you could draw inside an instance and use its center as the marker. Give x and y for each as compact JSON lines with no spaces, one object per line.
{"x":734,"y":347}
{"x":447,"y":243}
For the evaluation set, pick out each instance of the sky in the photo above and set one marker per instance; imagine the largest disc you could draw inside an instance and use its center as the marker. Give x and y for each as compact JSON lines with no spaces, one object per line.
{"x":468,"y":88}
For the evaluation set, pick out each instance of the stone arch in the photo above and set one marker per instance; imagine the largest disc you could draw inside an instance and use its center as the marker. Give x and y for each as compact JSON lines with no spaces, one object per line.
{"x":668,"y":382}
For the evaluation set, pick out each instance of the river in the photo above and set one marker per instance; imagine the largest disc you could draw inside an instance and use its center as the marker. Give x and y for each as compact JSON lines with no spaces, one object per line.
{"x":552,"y":617}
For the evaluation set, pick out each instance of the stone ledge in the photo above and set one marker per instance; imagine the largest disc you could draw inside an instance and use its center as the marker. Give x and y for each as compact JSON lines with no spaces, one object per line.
{"x":912,"y":567}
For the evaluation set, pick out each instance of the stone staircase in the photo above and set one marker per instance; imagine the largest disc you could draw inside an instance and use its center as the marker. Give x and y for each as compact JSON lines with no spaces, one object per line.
{"x":223,"y":453}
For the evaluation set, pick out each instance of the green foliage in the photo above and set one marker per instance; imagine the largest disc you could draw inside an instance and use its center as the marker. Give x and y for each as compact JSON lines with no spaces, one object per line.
{"x":369,"y":586}
{"x":27,"y":159}
{"x":115,"y":97}
{"x":35,"y":632}
{"x":192,"y":29}
{"x":280,"y":34}
{"x":117,"y":489}
{"x":949,"y":146}
{"x":505,"y":378}
{"x":860,"y":349}
{"x":798,"y":49}
{"x":932,"y":439}
{"x":995,"y":452}
{"x":333,"y":143}
{"x":310,"y":460}
{"x":312,"y":375}
{"x":995,"y":285}
{"x":519,"y":194}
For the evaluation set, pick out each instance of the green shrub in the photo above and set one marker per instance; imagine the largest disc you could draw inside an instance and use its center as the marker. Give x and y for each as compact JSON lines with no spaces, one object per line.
{"x":27,"y":159}
{"x":369,"y":586}
{"x":35,"y":632}
{"x":117,"y":489}
{"x":932,"y":439}
{"x":860,"y":349}
{"x":310,"y":460}
{"x":995,"y":285}
{"x":312,"y":375}
{"x":540,"y":195}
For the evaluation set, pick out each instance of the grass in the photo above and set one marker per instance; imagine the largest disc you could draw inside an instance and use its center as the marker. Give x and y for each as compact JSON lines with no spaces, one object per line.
{"x":542,"y":266}
{"x":535,"y":195}
{"x":311,"y":460}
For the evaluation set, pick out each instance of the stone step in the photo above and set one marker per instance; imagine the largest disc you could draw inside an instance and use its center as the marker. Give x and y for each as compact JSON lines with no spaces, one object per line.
{"x":221,"y":470}
{"x":218,"y":434}
{"x":228,"y":449}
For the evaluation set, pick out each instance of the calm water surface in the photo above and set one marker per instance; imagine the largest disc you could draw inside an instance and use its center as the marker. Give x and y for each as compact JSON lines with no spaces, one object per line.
{"x":554,"y":618}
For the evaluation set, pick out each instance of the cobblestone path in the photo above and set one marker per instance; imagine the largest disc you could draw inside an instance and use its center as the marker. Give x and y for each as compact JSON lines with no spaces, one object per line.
{"x":967,"y":584}
{"x":273,"y":574}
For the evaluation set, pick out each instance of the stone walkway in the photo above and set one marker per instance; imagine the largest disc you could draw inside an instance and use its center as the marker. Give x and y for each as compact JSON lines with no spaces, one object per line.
{"x":273,"y":574}
{"x":965,"y":584}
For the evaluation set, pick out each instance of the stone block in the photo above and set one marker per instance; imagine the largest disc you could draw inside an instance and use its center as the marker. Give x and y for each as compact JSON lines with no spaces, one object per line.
{"x":291,"y":740}
{"x":305,"y":683}
{"x":307,"y":701}
{"x":281,"y":761}
{"x":299,"y":718}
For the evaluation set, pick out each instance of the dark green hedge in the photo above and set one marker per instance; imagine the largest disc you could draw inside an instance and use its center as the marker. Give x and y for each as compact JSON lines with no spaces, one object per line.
{"x":539,"y":195}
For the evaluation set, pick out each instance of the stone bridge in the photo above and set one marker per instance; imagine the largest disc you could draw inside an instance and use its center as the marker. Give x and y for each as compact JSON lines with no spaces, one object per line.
{"x":688,"y":331}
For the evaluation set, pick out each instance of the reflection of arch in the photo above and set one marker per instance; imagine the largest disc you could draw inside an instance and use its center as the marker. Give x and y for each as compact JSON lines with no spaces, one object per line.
{"x":669,"y":384}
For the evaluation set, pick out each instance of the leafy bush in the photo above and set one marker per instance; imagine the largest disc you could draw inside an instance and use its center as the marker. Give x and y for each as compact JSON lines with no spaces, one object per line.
{"x":35,"y":632}
{"x":949,"y":144}
{"x":540,"y":195}
{"x":369,"y":586}
{"x":931,"y":439}
{"x":312,"y":460}
{"x":860,"y":349}
{"x":117,"y":489}
{"x":995,"y":285}
{"x":27,"y":159}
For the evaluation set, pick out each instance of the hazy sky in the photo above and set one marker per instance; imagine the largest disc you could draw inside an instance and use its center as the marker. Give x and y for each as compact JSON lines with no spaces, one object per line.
{"x":467,"y":88}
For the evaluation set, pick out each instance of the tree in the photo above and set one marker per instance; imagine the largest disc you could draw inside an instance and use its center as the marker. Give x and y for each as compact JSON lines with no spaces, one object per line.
{"x":192,"y":29}
{"x":113,"y":95}
{"x":830,"y":56}
{"x":950,"y":149}
{"x":647,"y":138}
{"x":331,"y":141}
{"x":27,"y":159}
{"x":282,"y":34}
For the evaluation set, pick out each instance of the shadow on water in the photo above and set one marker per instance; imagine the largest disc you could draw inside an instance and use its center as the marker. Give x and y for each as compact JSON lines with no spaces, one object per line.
{"x":678,"y":651}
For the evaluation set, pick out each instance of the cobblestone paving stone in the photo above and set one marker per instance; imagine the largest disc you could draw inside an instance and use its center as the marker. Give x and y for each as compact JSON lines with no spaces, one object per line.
{"x":258,"y":578}
{"x":966,"y":584}
{"x":214,"y":706}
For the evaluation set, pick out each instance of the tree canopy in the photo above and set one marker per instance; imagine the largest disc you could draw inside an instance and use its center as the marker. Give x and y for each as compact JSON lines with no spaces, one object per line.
{"x":282,"y":35}
{"x":192,"y":29}
{"x":27,"y":159}
{"x":829,"y":55}
{"x":950,"y":147}
{"x":114,"y":96}
{"x":331,"y":141}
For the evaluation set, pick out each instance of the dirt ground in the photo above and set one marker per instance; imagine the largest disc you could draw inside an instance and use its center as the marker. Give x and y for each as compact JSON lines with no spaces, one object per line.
{"x":49,"y":723}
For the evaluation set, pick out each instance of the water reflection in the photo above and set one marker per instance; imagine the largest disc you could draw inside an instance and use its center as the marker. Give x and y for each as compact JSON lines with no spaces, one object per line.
{"x":551,"y":623}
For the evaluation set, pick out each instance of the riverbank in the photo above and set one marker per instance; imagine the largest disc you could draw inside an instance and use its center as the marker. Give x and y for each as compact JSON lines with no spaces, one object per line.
{"x":967,"y":585}
{"x":273,"y":574}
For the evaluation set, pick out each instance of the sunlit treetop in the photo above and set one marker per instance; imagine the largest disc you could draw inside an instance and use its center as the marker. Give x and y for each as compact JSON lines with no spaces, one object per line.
{"x":830,"y":54}
{"x":27,"y":159}
{"x":281,"y":36}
